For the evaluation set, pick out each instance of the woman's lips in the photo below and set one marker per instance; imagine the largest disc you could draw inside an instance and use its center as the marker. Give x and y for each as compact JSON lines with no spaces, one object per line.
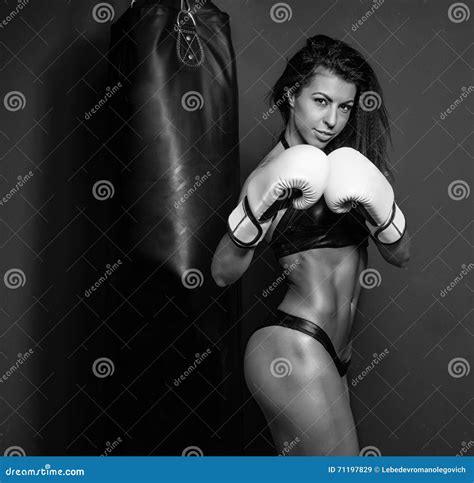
{"x":322,"y":136}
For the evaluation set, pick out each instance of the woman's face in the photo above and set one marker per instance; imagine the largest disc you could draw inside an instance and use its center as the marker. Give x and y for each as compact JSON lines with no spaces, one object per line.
{"x":322,"y":108}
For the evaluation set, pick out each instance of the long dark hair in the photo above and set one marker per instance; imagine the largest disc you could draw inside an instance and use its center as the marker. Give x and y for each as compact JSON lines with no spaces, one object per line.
{"x":368,"y":127}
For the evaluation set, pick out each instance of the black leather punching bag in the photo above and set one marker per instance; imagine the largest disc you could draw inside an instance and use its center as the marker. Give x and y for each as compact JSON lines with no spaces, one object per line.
{"x":175,"y":172}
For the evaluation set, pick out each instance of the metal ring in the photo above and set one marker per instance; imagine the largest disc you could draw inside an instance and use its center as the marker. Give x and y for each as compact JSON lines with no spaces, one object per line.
{"x":185,"y":12}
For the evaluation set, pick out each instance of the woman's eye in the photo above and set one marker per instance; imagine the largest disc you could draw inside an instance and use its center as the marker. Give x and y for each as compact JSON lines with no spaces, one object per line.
{"x":347,"y":108}
{"x":320,"y":101}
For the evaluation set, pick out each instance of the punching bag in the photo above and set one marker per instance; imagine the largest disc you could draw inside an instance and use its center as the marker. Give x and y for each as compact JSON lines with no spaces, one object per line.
{"x":174,"y":169}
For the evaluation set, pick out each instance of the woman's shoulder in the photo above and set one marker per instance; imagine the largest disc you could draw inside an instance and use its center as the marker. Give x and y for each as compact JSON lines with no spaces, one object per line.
{"x":273,"y":153}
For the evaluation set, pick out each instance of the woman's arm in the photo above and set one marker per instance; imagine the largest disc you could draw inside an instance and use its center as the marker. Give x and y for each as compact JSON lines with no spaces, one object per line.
{"x":230,"y":262}
{"x":398,"y":253}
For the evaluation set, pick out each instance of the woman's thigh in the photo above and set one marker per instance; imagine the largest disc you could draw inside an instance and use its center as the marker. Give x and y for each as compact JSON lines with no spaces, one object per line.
{"x":301,"y":394}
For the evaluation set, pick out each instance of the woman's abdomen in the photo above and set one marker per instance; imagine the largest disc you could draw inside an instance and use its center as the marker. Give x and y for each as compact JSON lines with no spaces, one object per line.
{"x":324,"y":289}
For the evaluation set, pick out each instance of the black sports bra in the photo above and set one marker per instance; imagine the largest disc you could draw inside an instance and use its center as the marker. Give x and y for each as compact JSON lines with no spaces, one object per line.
{"x":317,"y":227}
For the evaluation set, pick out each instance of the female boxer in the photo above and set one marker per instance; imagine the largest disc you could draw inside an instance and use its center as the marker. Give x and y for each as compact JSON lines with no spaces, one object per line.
{"x":316,"y":198}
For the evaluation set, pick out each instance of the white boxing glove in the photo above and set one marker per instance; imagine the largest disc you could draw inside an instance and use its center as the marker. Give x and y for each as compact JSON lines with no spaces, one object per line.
{"x":353,"y":178}
{"x":302,"y":168}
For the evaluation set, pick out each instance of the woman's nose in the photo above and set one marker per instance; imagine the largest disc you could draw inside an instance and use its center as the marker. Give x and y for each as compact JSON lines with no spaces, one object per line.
{"x":331,"y":118}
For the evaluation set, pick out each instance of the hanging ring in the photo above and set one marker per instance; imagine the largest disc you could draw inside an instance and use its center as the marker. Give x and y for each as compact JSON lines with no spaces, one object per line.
{"x":186,"y":13}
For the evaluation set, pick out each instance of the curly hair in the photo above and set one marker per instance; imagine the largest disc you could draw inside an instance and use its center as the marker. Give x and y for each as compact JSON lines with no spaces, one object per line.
{"x":368,"y":129}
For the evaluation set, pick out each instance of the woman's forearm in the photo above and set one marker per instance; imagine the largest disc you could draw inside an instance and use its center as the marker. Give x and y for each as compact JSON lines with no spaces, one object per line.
{"x":397,"y":253}
{"x":229,"y":262}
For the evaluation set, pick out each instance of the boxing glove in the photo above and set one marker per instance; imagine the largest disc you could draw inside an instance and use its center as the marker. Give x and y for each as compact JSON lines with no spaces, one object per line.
{"x":353,"y":178}
{"x":300,"y":172}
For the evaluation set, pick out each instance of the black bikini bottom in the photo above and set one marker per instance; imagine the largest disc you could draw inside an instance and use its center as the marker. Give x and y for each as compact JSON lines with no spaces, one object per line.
{"x":310,"y":328}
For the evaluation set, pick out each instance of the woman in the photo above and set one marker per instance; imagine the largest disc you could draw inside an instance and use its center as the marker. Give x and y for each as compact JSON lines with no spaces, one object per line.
{"x":296,"y":360}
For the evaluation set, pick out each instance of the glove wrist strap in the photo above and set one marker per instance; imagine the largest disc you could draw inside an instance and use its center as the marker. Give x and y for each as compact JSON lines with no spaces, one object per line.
{"x":243,"y":228}
{"x":392,"y":230}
